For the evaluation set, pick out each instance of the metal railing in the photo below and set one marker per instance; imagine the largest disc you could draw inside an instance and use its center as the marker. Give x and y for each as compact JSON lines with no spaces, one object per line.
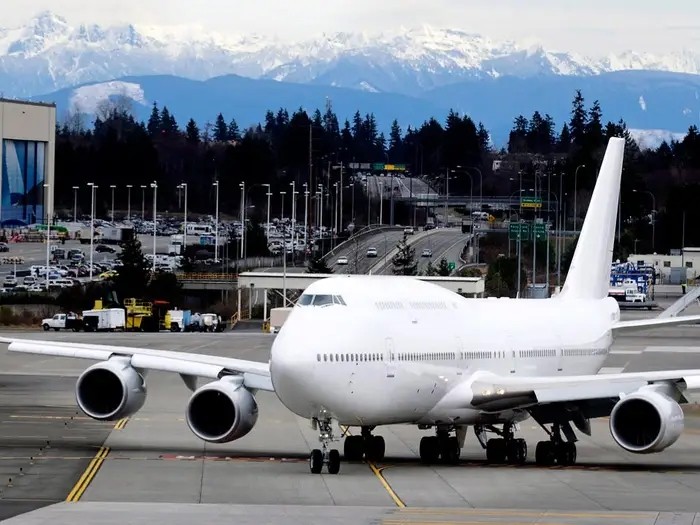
{"x":206,"y":276}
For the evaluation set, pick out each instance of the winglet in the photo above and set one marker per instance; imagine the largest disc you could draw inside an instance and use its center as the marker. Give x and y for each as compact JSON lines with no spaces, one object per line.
{"x":589,"y":274}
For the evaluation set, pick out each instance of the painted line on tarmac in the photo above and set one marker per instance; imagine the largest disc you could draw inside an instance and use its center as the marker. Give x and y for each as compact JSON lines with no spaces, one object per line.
{"x":121,"y":423}
{"x":88,"y":475}
{"x":378,"y":472}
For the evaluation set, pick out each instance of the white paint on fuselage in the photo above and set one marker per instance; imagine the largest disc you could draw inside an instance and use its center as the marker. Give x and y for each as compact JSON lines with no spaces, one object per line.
{"x":399,"y":346}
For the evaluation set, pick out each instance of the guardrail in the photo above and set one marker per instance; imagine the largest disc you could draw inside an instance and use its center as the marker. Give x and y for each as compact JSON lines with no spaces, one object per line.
{"x":201,"y":276}
{"x":367,"y":230}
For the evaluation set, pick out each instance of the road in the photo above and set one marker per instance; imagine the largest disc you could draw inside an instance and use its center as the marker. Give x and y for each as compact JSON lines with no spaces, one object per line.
{"x":356,"y":252}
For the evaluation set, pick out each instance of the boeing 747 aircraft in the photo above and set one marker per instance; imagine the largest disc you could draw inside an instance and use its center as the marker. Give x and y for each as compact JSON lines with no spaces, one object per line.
{"x":367,"y":351}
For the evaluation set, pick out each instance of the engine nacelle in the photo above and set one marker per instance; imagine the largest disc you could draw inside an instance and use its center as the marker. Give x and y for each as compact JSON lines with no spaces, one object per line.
{"x":110,"y":390}
{"x":222,"y":411}
{"x":646,"y":421}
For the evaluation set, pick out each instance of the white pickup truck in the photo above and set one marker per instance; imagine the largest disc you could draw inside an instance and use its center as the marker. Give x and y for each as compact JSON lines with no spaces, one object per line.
{"x":62,"y":322}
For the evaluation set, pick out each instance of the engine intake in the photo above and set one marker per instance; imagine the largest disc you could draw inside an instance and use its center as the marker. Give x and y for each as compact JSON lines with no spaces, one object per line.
{"x":222,"y":411}
{"x":646,"y":421}
{"x":110,"y":390}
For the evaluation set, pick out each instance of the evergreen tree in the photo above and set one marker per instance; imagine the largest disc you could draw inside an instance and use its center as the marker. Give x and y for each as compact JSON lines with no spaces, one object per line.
{"x":192,"y":132}
{"x":517,"y":140}
{"x":594,"y":127}
{"x":564,"y":142}
{"x":153,"y":125}
{"x":220,"y":129}
{"x":443,"y":268}
{"x":404,"y":261}
{"x":232,"y":132}
{"x":318,"y":265}
{"x":430,"y":270}
{"x":395,"y":142}
{"x":168,"y":126}
{"x":165,"y":287}
{"x":577,"y":124}
{"x":134,"y":273}
{"x":484,"y":138}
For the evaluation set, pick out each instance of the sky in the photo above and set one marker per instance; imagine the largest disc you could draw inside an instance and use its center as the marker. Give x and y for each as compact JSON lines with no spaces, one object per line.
{"x":593,"y":27}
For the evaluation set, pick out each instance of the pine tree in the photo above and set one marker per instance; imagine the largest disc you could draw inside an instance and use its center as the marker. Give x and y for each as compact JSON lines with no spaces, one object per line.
{"x":577,"y":124}
{"x":443,"y":268}
{"x":153,"y":125}
{"x":168,"y":126}
{"x":232,"y":132}
{"x":430,"y":270}
{"x":404,"y":261}
{"x":395,"y":142}
{"x":484,"y":138}
{"x":594,"y":127}
{"x":134,"y":273}
{"x":564,"y":142}
{"x":192,"y":132}
{"x":220,"y":129}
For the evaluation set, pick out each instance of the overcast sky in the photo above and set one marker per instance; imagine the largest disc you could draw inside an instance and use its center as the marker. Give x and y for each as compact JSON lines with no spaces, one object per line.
{"x":590,"y":27}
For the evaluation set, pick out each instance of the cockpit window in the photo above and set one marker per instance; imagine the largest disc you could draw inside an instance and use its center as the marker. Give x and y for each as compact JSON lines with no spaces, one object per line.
{"x":320,"y":300}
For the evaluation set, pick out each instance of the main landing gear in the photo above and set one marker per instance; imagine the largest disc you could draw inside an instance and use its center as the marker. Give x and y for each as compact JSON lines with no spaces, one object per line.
{"x":556,"y":451}
{"x":442,"y":447}
{"x":324,"y":456}
{"x":504,"y":449}
{"x":364,"y":446}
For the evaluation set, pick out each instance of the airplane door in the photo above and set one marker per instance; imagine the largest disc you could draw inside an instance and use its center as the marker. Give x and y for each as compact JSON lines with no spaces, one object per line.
{"x":389,"y":357}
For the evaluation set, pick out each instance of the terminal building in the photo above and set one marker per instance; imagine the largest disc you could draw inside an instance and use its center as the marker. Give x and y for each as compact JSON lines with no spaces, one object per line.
{"x":675,"y":268}
{"x":27,"y":162}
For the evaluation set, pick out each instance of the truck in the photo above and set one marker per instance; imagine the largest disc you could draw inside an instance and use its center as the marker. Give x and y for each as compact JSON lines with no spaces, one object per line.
{"x":107,"y":319}
{"x":628,"y":294}
{"x":178,"y":320}
{"x":66,"y":321}
{"x":116,"y":235}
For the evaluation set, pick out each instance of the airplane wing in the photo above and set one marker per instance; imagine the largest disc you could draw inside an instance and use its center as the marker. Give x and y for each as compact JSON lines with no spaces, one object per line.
{"x":594,"y":393}
{"x":647,"y":324}
{"x":255,"y":375}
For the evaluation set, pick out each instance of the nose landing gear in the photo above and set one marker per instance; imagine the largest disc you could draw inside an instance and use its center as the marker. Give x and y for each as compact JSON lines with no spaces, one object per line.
{"x":324,"y":456}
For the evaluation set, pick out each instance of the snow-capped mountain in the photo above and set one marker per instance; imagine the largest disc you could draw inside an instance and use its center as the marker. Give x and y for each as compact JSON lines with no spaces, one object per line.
{"x":48,"y":53}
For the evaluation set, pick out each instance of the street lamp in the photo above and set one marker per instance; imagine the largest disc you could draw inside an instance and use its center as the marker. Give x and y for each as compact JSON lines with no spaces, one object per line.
{"x":92,"y":223}
{"x":575,"y":184}
{"x":112,"y":186}
{"x":128,"y":202}
{"x":306,"y":218}
{"x":653,"y":218}
{"x":154,"y":185}
{"x":48,"y":235}
{"x":381,"y":202}
{"x":241,"y":185}
{"x":75,"y":203}
{"x":184,"y":226}
{"x":143,"y":202}
{"x":216,"y":225}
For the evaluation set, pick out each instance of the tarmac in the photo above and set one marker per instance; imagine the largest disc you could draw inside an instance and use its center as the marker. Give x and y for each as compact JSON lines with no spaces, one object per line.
{"x":150,"y":468}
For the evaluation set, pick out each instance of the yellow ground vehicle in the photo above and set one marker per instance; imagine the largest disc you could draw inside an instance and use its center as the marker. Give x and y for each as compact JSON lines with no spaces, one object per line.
{"x":136,"y":312}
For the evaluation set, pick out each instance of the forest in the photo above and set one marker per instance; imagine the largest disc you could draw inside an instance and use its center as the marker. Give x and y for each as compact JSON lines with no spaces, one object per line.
{"x":116,"y":149}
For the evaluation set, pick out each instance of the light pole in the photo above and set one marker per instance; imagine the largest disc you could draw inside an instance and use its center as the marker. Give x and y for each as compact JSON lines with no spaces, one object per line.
{"x":447,"y":192}
{"x":241,"y":185}
{"x":653,"y":218}
{"x":282,"y":193}
{"x":75,"y":203}
{"x":113,"y":187}
{"x":381,"y":202}
{"x":216,"y":225}
{"x":267,"y":228}
{"x":294,"y":219}
{"x":128,"y":202}
{"x":575,"y":185}
{"x":92,"y":223}
{"x":143,"y":202}
{"x":48,"y":236}
{"x":184,"y":226}
{"x":154,"y":185}
{"x":306,"y":219}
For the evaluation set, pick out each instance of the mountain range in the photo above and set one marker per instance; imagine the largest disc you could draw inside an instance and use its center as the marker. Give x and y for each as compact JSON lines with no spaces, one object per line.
{"x":421,"y":71}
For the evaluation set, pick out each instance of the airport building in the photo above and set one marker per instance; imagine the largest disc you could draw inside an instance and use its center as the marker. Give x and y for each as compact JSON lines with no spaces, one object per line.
{"x":674,"y":268}
{"x":27,"y":162}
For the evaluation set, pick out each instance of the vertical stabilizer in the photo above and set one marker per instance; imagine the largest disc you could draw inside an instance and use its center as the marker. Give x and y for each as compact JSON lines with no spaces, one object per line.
{"x":589,"y":274}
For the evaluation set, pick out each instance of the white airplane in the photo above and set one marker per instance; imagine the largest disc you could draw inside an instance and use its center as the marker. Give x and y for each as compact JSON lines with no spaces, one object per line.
{"x":366,"y":351}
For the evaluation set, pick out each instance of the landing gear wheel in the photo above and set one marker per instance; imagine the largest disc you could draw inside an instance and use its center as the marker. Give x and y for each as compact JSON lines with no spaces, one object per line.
{"x":566,"y":454}
{"x":544,"y":453}
{"x":333,"y":462}
{"x":517,"y":451}
{"x":429,"y":450}
{"x":450,"y":451}
{"x":374,"y":448}
{"x":316,"y":461}
{"x":353,"y":449}
{"x":496,"y":450}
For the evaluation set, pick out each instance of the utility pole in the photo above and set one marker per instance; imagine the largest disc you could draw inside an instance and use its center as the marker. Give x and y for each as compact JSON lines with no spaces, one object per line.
{"x":216,"y":225}
{"x":242,"y":186}
{"x":128,"y":202}
{"x":184,"y":228}
{"x":75,"y":203}
{"x":154,"y":185}
{"x":113,"y":187}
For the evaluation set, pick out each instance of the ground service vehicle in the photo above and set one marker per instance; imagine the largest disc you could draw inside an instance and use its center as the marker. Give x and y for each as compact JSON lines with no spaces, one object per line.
{"x":106,"y":319}
{"x":178,"y":320}
{"x":69,"y":321}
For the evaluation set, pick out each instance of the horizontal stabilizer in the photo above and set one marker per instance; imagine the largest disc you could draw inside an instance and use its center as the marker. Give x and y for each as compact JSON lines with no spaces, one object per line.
{"x":648,"y":324}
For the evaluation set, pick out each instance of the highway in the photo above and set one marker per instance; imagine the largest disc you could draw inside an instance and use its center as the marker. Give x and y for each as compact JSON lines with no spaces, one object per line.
{"x":356,"y":252}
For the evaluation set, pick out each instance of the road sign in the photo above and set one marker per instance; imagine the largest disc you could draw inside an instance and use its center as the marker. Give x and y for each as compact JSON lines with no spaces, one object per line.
{"x":540,"y":230}
{"x":519,"y":230}
{"x":451,"y":266}
{"x":530,"y":202}
{"x":380,"y":166}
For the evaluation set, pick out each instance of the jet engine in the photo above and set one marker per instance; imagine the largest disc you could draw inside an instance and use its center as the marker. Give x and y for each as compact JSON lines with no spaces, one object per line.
{"x":222,"y":411}
{"x":646,"y":421}
{"x":110,"y":390}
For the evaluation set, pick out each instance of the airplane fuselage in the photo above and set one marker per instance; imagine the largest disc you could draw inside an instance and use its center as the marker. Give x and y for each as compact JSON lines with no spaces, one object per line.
{"x":383,"y":356}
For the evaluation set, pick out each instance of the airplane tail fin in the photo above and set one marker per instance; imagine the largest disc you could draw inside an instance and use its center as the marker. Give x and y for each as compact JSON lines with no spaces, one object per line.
{"x":589,"y":273}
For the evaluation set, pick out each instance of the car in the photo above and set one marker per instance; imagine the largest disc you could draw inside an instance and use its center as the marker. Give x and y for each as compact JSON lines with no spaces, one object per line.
{"x":371,"y":252}
{"x":408,"y":230}
{"x":342,"y":260}
{"x":4,"y":247}
{"x":105,"y":248}
{"x":427,"y":253}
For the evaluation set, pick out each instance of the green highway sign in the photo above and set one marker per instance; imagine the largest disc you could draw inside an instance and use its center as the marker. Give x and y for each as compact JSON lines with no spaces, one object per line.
{"x":519,"y":230}
{"x":380,"y":166}
{"x":530,"y":202}
{"x":451,"y":266}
